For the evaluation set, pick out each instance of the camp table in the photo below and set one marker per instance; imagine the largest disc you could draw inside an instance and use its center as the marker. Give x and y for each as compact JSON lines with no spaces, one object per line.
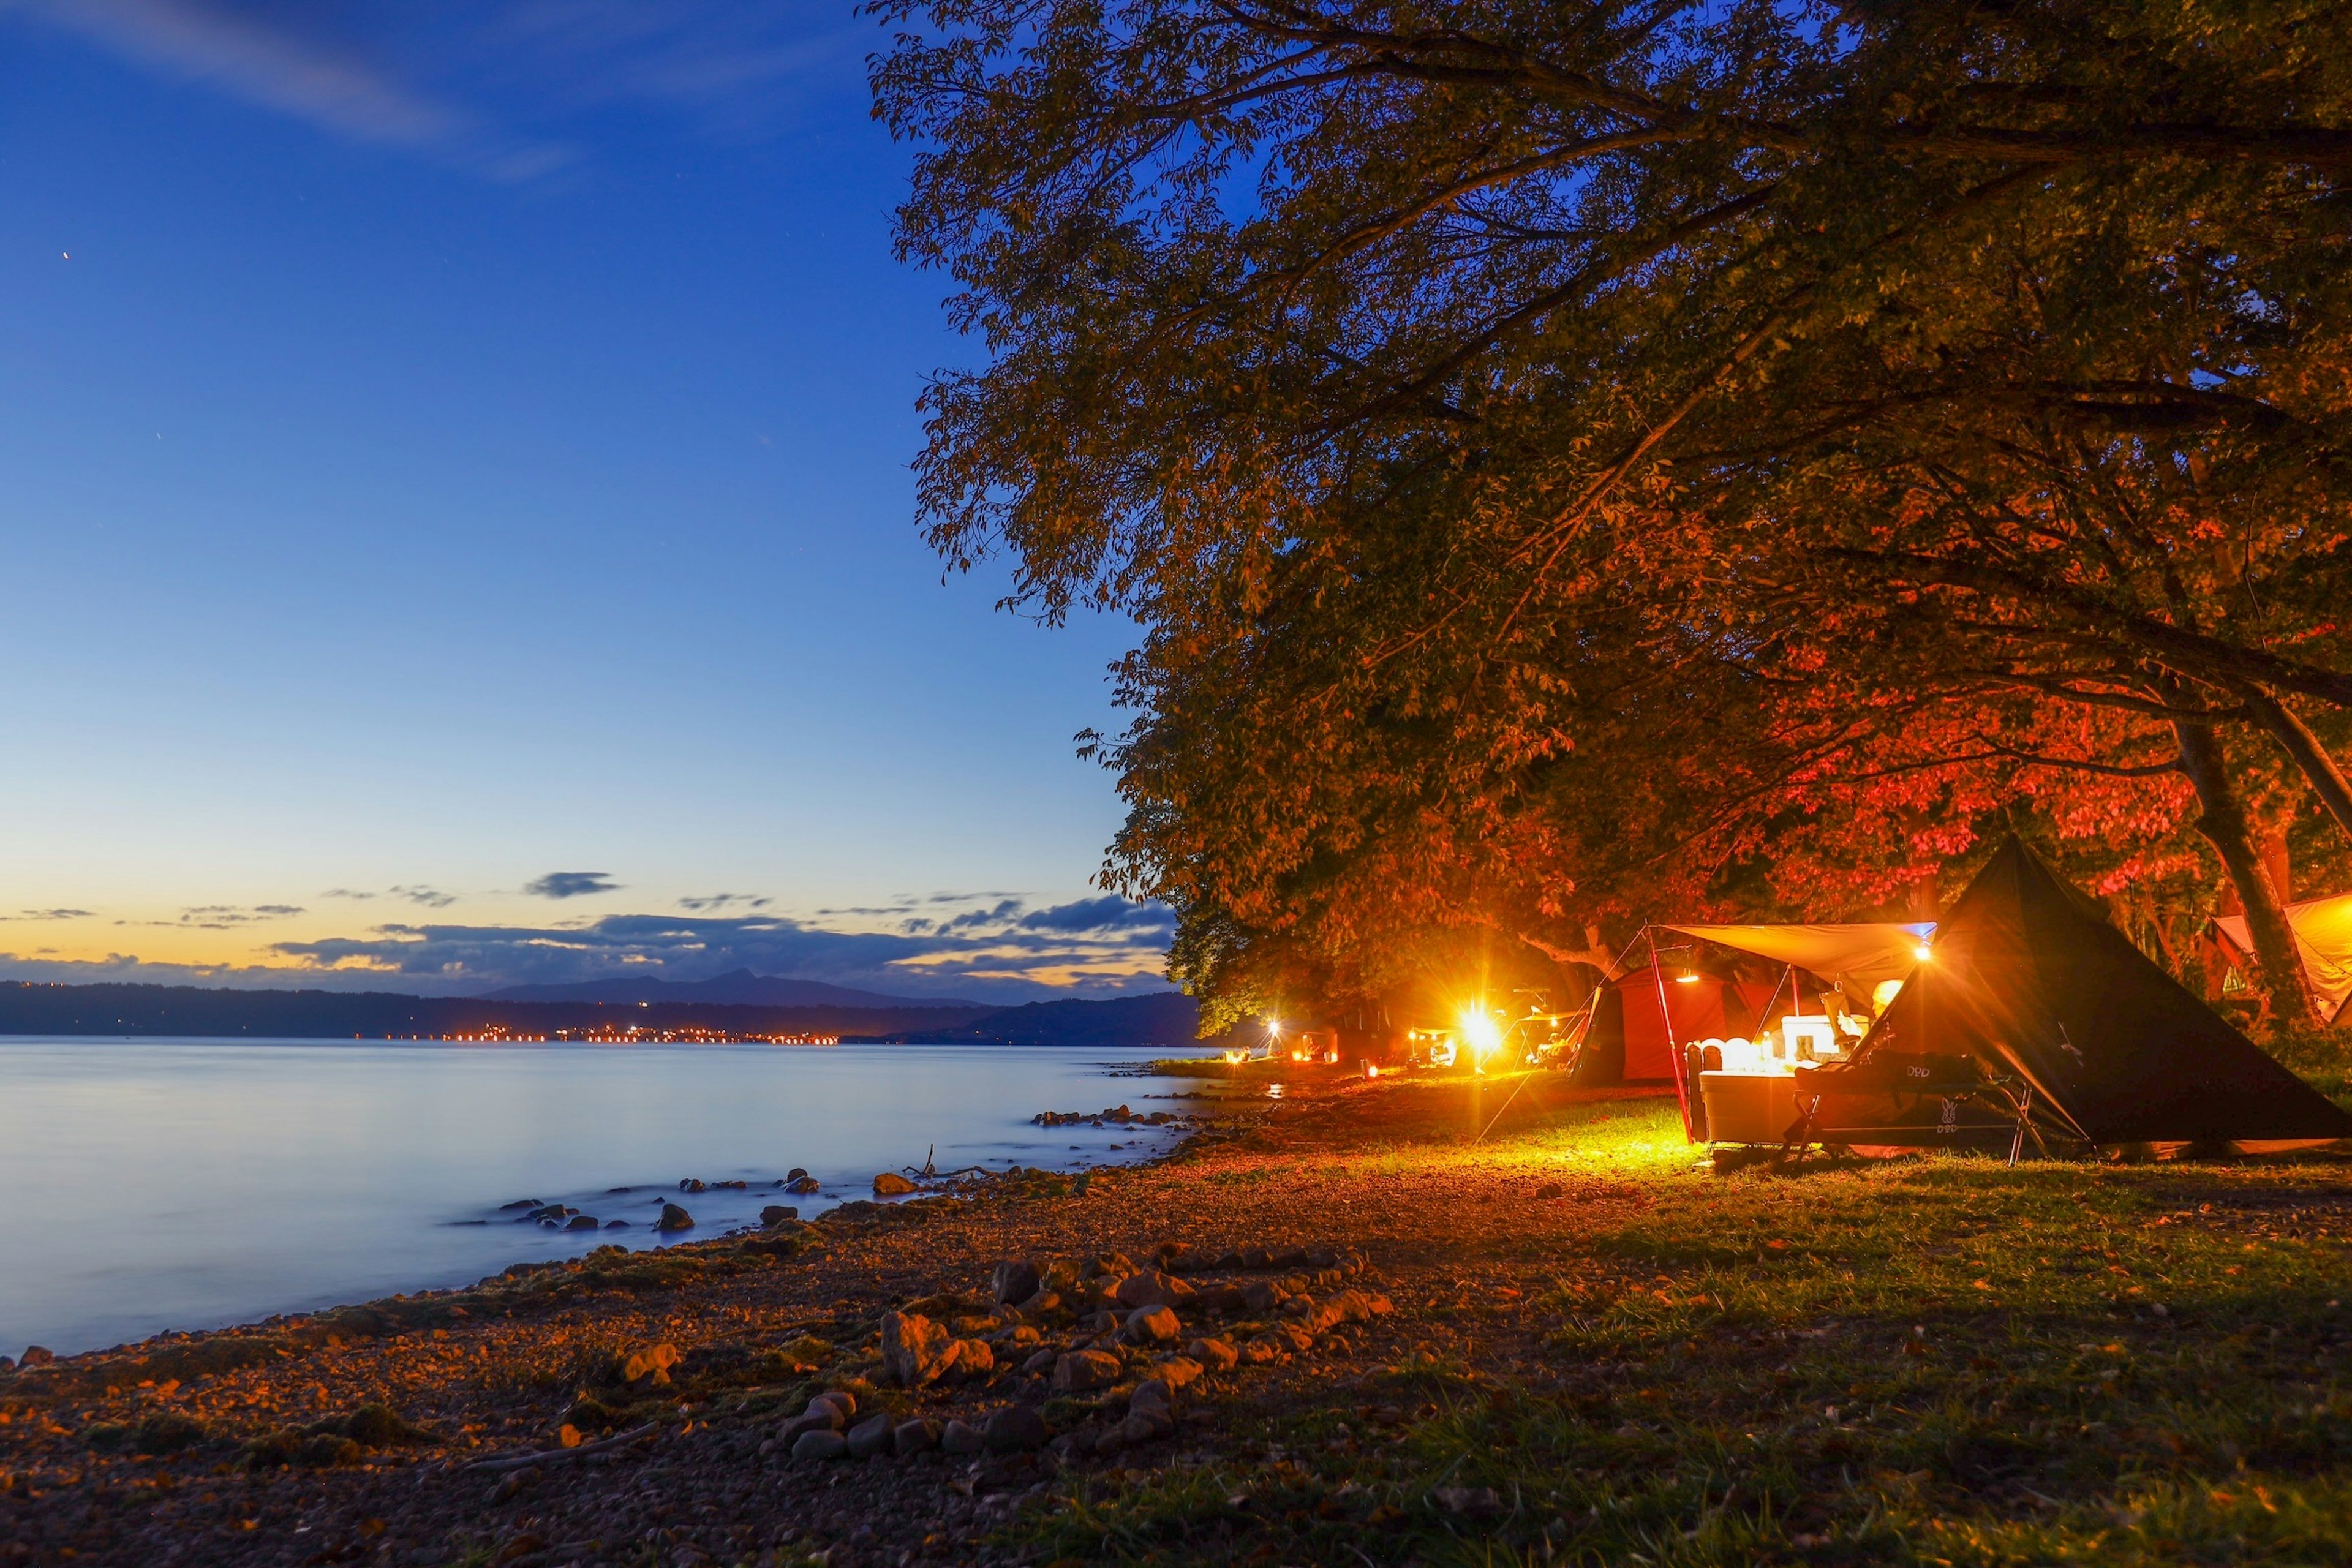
{"x":1896,"y":1086}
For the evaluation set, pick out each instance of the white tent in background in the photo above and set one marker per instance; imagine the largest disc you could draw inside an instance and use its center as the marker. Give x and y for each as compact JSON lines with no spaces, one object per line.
{"x":2323,"y":937}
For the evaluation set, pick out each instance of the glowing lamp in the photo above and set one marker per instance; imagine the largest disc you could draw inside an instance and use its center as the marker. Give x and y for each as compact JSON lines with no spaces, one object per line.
{"x":1479,"y":1031}
{"x":1690,"y":978}
{"x":1923,"y":953}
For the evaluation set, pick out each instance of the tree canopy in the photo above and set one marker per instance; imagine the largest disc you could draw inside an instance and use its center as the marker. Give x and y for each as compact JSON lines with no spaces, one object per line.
{"x":1566,"y":457}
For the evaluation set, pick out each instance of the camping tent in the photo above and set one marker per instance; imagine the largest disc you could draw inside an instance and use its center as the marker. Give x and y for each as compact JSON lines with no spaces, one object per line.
{"x":2323,"y":937}
{"x":1643,"y":1016}
{"x":2030,"y":978}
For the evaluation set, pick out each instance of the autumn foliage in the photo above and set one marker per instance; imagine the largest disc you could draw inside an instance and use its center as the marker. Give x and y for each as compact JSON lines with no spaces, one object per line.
{"x":1575,"y":461}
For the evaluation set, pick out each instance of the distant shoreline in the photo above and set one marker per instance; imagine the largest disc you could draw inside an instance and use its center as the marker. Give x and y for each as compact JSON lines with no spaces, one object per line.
{"x":57,"y":1011}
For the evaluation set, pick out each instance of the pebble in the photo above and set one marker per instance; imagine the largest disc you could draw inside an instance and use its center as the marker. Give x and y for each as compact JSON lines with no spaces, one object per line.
{"x":1016,"y":1428}
{"x":1214,"y":1355}
{"x":914,"y":1348}
{"x":890,"y":1185}
{"x":1151,"y":1288}
{"x":1178,"y":1372}
{"x":778,"y":1214}
{"x":961,"y":1438}
{"x":871,"y":1436}
{"x":1151,"y":1325}
{"x":823,"y":1444}
{"x":816,"y":1418}
{"x":1080,"y":1371}
{"x":916,"y":1436}
{"x":1015,"y":1280}
{"x":674,"y":1219}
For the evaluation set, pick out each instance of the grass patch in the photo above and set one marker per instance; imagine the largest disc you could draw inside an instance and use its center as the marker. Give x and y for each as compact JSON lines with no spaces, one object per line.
{"x":1932,"y":1362}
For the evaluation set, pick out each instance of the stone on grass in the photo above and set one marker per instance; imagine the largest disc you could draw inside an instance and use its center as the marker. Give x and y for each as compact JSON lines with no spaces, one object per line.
{"x":1081,"y":1371}
{"x":1043,"y":1360}
{"x":841,"y":1399}
{"x":869,"y":1438}
{"x":1178,"y":1372}
{"x":909,"y":1438}
{"x":914,"y":1348}
{"x":890,"y":1185}
{"x":1257,"y":1353}
{"x":961,"y":1438}
{"x":1151,"y":1326}
{"x":1214,"y":1355}
{"x":1144,"y":1426}
{"x":824,"y":1444}
{"x":818,"y":1417}
{"x":1014,"y":1429}
{"x":1015,"y":1279}
{"x":970,"y":1358}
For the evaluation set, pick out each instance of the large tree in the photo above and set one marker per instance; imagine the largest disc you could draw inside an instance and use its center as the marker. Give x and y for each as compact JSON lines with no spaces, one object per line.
{"x":1486,"y":386}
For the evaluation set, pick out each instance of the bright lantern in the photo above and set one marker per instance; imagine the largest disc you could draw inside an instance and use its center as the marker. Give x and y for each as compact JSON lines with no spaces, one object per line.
{"x":1480,"y":1032}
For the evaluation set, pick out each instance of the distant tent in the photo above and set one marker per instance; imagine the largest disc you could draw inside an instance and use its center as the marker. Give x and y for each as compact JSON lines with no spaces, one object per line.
{"x":2029,"y":978}
{"x":1640,"y":1019}
{"x":2323,"y":937}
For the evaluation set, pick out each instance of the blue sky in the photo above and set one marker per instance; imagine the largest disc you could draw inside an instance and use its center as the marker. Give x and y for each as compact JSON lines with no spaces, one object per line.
{"x":457,"y":518}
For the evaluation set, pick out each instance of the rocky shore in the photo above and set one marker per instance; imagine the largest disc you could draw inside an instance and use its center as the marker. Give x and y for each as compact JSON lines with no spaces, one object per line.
{"x":1395,"y":1323}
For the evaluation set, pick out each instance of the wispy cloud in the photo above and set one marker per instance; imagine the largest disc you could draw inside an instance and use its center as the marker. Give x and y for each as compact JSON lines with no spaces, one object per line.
{"x":714,"y":902}
{"x":246,"y":51}
{"x":570,"y":885}
{"x":428,"y":897}
{"x":224,"y":917}
{"x":496,"y":86}
{"x":1088,"y":947}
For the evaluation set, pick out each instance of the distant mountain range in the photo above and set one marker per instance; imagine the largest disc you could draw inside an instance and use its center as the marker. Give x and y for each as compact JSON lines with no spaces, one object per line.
{"x":31,"y":1008}
{"x":740,"y":988}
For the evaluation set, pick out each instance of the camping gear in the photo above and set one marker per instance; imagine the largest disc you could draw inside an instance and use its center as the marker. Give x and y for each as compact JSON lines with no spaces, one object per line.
{"x":1893,"y":1100}
{"x":2030,"y":980}
{"x":1851,"y":959}
{"x":1744,"y":1107}
{"x":2323,"y":939}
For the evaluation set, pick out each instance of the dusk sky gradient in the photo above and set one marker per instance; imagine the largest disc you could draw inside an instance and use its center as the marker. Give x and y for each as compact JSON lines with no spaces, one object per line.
{"x":457,"y":448}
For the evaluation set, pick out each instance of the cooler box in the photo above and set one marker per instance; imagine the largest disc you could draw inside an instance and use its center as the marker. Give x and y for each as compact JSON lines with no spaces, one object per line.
{"x":1747,"y":1108}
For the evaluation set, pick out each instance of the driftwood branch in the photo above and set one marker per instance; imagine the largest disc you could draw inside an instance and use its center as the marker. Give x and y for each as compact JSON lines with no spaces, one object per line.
{"x":558,"y":1456}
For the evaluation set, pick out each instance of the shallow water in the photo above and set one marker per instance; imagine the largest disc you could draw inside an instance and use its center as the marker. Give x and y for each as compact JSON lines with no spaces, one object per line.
{"x":147,"y":1186}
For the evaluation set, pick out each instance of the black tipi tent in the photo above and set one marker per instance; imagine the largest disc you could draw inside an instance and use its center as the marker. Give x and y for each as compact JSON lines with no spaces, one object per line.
{"x":2028,"y":977}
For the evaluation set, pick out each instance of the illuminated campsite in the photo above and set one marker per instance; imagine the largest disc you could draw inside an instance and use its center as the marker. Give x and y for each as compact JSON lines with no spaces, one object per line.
{"x":1700,"y":914}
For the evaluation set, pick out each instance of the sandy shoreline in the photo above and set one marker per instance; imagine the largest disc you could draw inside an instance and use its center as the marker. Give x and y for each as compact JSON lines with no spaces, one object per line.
{"x":1555,"y":1301}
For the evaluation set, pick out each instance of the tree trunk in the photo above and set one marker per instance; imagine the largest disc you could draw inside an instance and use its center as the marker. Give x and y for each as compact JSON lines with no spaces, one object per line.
{"x":2222,"y":821}
{"x":2297,"y":740}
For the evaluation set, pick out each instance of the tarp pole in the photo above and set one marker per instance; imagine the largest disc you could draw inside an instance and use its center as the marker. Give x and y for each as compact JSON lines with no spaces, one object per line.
{"x":1666,"y":1022}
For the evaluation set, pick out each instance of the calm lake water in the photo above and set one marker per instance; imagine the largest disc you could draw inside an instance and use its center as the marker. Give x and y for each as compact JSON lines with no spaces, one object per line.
{"x":186,"y":1184}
